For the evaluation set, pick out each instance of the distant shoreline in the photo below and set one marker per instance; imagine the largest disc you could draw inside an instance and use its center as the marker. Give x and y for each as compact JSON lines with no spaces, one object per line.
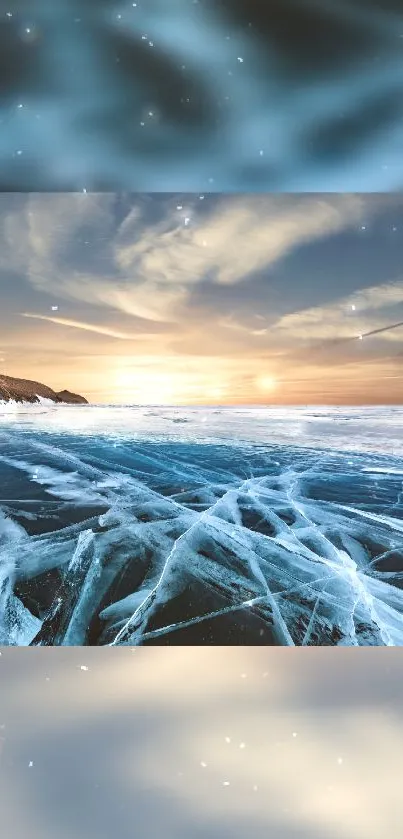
{"x":25,"y":391}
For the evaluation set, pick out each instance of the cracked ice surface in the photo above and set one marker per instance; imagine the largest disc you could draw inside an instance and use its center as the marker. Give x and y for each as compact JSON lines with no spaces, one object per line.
{"x":129,"y":525}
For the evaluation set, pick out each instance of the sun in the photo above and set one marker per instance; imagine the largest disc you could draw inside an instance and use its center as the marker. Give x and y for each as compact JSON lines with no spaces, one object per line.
{"x":266,"y":384}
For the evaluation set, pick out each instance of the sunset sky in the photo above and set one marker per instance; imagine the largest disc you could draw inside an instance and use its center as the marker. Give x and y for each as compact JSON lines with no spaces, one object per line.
{"x":204,"y":299}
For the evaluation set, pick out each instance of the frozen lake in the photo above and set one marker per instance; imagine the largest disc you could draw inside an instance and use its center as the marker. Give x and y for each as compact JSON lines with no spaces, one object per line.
{"x":154,"y":525}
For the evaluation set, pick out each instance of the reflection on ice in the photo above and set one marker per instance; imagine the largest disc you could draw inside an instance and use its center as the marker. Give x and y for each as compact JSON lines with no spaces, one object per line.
{"x":231,"y":526}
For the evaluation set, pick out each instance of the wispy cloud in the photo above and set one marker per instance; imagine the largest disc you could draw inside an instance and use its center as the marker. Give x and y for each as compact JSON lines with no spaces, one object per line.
{"x":88,"y":327}
{"x":238,"y":237}
{"x":155,"y":263}
{"x":365,"y":312}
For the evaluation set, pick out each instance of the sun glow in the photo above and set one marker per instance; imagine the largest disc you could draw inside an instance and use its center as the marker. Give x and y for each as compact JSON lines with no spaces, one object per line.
{"x":150,"y":388}
{"x":166,"y":381}
{"x":266,"y":384}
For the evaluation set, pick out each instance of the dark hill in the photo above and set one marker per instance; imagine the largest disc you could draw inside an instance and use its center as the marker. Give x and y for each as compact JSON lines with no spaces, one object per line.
{"x":23,"y":390}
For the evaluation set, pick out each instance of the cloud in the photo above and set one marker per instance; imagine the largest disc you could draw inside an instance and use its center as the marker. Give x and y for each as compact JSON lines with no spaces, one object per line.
{"x":240,"y":236}
{"x":340,"y":321}
{"x":88,"y":327}
{"x":155,"y":260}
{"x":379,"y":296}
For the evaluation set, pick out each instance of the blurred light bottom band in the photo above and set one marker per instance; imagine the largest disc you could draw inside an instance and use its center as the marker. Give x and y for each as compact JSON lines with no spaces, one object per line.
{"x":177,"y":743}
